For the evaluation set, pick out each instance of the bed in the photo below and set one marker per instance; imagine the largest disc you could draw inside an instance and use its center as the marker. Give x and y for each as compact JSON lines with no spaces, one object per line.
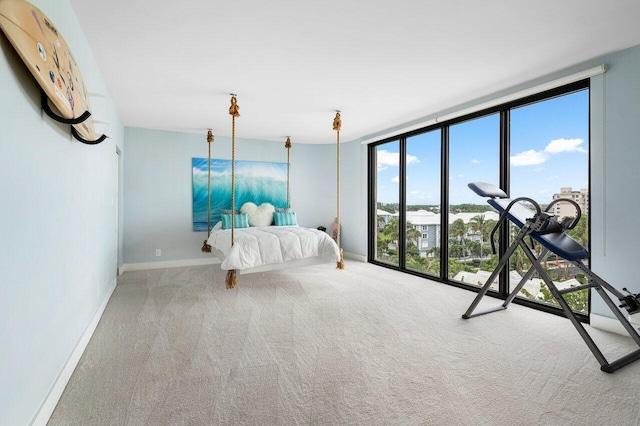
{"x":266,"y":248}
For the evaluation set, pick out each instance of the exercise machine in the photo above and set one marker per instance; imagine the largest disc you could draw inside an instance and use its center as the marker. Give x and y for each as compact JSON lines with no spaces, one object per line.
{"x":541,"y":227}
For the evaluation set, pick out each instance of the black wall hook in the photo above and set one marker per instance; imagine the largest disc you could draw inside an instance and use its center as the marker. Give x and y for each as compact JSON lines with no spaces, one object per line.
{"x":56,"y":117}
{"x":71,"y":121}
{"x":77,"y":135}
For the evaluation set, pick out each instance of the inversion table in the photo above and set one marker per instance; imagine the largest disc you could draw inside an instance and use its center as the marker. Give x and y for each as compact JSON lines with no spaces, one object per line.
{"x":541,"y":227}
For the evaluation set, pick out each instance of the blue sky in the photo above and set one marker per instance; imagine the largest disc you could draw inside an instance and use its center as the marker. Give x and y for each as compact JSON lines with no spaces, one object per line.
{"x":549,"y":150}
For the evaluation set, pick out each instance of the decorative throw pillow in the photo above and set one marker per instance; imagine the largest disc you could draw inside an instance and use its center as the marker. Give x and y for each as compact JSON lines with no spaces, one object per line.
{"x":259,"y":215}
{"x":241,"y":221}
{"x":285,"y":219}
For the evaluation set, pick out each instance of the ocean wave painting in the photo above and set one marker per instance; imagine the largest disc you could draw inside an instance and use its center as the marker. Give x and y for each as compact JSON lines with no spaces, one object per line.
{"x":256,"y":181}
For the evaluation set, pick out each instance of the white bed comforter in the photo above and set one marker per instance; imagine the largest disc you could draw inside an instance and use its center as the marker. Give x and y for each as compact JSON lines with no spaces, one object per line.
{"x":258,"y":246}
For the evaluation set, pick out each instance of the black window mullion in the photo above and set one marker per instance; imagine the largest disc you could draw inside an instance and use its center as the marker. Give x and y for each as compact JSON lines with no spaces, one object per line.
{"x":503,"y":241}
{"x":372,"y":203}
{"x":402,"y":205}
{"x":444,"y":203}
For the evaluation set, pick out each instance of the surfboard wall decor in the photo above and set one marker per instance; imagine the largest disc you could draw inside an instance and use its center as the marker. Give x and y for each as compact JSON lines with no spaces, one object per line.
{"x":48,"y":57}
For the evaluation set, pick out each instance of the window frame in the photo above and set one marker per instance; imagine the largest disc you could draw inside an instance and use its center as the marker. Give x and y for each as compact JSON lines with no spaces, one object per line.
{"x":504,"y":116}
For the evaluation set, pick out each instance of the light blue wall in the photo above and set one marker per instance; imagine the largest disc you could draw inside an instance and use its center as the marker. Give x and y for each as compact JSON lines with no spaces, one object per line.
{"x":157,"y":186}
{"x":353,"y":199}
{"x":615,"y":179}
{"x":58,"y":219}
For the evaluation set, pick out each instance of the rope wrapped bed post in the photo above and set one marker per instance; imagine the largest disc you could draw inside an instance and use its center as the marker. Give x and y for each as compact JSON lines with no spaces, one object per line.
{"x":234,"y":110}
{"x":287,"y":145}
{"x":206,"y":248}
{"x":337,"y":125}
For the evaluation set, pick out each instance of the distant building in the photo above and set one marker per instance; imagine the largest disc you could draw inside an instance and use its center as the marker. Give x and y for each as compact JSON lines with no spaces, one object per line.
{"x":428,"y":223}
{"x":383,"y":218}
{"x":562,"y":209}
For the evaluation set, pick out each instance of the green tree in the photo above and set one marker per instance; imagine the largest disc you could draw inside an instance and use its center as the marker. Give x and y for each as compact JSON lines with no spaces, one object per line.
{"x":458,"y":230}
{"x":581,"y":232}
{"x":413,"y":234}
{"x":577,"y":300}
{"x":478,"y":224}
{"x":456,"y":249}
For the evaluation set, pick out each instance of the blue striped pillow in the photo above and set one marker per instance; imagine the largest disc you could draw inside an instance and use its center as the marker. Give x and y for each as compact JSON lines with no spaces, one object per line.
{"x":241,"y":221}
{"x":285,"y":219}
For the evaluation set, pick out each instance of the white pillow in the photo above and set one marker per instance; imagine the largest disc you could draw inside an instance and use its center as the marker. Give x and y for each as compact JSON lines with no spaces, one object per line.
{"x":217,"y":226}
{"x":259,"y":216}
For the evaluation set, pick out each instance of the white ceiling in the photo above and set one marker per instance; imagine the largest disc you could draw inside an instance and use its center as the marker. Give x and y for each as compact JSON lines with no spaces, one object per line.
{"x":171,"y":65}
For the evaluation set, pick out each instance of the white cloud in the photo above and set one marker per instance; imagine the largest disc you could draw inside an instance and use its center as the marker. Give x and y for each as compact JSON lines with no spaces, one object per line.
{"x":412,"y":159}
{"x":396,"y":179}
{"x":557,"y":146}
{"x":529,"y":158}
{"x":538,"y":169}
{"x":414,"y":192}
{"x":460,"y":175}
{"x":543,"y":191}
{"x":386,"y":158}
{"x":475,"y":161}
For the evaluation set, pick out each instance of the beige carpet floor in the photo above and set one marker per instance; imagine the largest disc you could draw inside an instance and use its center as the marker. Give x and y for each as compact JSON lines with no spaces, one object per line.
{"x":362,"y":346}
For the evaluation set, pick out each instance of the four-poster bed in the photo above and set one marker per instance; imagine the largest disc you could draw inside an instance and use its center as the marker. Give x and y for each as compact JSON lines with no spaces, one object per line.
{"x":247,"y":243}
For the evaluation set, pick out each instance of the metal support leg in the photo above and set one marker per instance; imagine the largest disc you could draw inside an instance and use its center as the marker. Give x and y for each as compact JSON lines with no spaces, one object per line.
{"x":504,"y":260}
{"x":526,"y":277}
{"x":569,"y":313}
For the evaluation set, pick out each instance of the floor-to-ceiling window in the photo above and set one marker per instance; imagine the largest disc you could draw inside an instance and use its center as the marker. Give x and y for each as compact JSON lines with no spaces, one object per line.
{"x":387,"y":195}
{"x":422,"y":209}
{"x":425,"y":220}
{"x":549,"y":160}
{"x":474,"y":156}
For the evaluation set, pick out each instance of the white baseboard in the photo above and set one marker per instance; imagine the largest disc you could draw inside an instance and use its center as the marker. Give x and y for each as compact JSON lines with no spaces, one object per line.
{"x":169,"y":264}
{"x":198,"y":262}
{"x":611,"y":324}
{"x":354,"y":256}
{"x":50,"y":402}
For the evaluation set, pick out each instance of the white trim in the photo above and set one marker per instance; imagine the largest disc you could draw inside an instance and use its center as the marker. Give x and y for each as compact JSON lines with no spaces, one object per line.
{"x":169,"y":264}
{"x":127,"y":267}
{"x":356,"y":257}
{"x":307,"y":261}
{"x":611,"y":324}
{"x":50,"y":402}
{"x":572,"y":78}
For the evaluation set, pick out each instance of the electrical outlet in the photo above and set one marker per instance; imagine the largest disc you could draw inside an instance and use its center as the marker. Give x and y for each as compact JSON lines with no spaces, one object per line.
{"x":158,"y":252}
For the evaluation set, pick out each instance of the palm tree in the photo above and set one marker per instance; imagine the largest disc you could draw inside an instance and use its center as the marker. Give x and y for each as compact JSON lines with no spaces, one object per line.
{"x":413,"y":234}
{"x":458,"y":229}
{"x":479,"y":224}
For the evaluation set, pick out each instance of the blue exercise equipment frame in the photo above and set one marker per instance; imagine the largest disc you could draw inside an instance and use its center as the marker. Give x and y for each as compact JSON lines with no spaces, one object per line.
{"x":541,"y":227}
